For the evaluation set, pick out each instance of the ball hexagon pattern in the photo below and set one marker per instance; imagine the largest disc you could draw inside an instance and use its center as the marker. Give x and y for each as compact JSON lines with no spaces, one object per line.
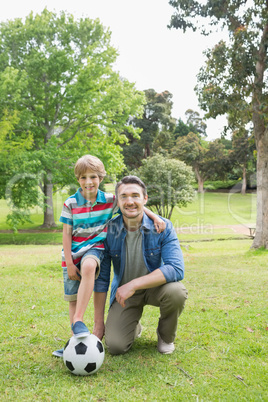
{"x":83,"y":356}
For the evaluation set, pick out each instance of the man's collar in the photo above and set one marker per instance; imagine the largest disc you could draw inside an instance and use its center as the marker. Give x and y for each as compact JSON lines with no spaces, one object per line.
{"x":145,"y":224}
{"x":81,"y":200}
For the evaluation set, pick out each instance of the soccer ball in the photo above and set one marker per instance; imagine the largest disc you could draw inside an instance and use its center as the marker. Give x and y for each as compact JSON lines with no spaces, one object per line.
{"x":83,"y":356}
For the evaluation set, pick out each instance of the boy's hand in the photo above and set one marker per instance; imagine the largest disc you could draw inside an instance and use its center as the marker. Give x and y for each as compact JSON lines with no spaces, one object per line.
{"x":73,"y":272}
{"x":159,"y":224}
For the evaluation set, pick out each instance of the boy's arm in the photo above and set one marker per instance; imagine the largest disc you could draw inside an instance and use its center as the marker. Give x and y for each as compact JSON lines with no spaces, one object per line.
{"x":159,"y":224}
{"x":72,"y":270}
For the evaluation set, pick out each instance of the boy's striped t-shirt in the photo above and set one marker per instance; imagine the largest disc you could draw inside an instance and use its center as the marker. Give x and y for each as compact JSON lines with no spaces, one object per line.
{"x":89,"y":222}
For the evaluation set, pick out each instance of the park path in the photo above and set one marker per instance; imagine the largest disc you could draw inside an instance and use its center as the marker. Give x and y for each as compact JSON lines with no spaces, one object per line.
{"x":215,"y":229}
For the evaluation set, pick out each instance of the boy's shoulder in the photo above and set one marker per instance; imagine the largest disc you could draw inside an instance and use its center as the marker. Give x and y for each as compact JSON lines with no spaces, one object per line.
{"x":105,"y":197}
{"x":71,"y":199}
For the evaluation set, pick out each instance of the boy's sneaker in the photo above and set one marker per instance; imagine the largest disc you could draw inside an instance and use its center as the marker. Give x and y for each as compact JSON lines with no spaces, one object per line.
{"x":58,"y":353}
{"x":163,"y":347}
{"x":80,"y":330}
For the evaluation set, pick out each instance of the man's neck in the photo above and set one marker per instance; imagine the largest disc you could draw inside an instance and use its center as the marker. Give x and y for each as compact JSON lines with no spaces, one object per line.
{"x":132,"y":224}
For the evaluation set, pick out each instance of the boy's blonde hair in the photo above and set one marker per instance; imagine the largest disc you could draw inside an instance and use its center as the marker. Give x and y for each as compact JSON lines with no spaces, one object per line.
{"x":89,"y":162}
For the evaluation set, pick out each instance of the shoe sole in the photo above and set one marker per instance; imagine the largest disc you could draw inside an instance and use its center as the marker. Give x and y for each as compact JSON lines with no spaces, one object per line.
{"x":57,"y":354}
{"x":81,"y":335}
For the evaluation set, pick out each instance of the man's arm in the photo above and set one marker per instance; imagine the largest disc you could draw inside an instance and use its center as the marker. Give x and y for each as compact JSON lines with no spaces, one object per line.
{"x":152,"y":280}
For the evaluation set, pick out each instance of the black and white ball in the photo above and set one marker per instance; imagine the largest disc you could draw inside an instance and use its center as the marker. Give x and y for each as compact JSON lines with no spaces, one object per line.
{"x":83,"y":356}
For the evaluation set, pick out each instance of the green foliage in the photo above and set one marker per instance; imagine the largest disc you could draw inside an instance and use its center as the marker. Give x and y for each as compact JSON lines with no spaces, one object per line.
{"x":209,"y":160}
{"x":60,"y":99}
{"x":156,"y":127}
{"x":169,"y":183}
{"x":234,"y":79}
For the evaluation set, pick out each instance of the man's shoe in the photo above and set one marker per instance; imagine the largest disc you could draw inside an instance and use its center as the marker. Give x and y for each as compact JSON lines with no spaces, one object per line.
{"x":58,"y":353}
{"x":138,"y":331}
{"x":163,"y":347}
{"x":80,"y":330}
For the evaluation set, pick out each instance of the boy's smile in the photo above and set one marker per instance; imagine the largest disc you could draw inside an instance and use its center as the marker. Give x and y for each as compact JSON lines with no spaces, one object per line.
{"x":89,"y":183}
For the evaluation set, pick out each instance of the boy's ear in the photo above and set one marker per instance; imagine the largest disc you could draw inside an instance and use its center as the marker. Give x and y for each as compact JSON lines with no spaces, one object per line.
{"x":100,"y":178}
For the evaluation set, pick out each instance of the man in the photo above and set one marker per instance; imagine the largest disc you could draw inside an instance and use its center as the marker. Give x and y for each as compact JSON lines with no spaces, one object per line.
{"x":148,"y":268}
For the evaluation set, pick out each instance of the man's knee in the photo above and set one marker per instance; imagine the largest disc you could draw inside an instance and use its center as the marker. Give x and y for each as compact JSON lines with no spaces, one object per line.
{"x":174,"y":294}
{"x":117,"y":346}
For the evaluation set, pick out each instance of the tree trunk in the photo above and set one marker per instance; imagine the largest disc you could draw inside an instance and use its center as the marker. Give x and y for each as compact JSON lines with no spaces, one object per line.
{"x":261,"y":237}
{"x":244,"y":181}
{"x":49,"y":220}
{"x":147,"y":151}
{"x":200,"y":181}
{"x":261,"y":139}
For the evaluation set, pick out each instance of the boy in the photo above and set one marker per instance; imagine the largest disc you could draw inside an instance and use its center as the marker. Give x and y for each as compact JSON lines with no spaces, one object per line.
{"x":85,"y":216}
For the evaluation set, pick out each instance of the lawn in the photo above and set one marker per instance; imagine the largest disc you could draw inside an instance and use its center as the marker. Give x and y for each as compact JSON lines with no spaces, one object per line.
{"x":221,"y":345}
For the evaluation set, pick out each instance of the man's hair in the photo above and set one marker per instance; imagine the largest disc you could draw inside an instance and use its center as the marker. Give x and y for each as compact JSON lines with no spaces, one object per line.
{"x":131,"y":180}
{"x":89,"y":162}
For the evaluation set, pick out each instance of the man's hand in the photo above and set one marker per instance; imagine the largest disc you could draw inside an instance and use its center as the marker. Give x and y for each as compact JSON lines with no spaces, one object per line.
{"x":73,"y":272}
{"x":159,"y":224}
{"x":123,"y":293}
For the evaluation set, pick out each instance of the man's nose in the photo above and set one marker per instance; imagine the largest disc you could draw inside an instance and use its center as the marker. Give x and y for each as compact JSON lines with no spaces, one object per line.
{"x":129,"y":200}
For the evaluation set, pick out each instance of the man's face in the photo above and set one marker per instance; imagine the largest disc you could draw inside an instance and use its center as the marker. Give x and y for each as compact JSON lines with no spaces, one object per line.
{"x":131,"y":201}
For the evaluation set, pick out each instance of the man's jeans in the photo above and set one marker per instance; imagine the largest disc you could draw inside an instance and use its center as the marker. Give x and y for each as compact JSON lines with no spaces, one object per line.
{"x":120,"y":329}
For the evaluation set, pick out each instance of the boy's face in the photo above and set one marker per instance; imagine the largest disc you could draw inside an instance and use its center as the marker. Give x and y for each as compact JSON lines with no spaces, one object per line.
{"x":89,"y":183}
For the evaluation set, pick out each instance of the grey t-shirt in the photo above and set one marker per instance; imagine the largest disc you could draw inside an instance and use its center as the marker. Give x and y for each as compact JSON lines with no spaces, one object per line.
{"x":134,"y":264}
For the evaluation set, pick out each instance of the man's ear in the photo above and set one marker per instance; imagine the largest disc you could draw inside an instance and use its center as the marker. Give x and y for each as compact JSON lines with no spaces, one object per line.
{"x":145,"y":199}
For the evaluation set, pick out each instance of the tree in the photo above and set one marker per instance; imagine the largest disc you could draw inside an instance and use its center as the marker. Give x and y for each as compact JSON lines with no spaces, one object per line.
{"x":156,"y":126}
{"x":236,"y":71}
{"x":59,"y":99}
{"x":242,"y":154}
{"x":195,"y":122}
{"x":209,"y":160}
{"x":169,"y":183}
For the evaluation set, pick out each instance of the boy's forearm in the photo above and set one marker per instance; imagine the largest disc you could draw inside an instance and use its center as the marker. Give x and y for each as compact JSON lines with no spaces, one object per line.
{"x":149,"y":213}
{"x":67,"y":243}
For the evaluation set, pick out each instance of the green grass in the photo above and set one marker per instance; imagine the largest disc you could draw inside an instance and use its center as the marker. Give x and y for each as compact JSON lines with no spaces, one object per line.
{"x":221,"y":345}
{"x":217,"y":209}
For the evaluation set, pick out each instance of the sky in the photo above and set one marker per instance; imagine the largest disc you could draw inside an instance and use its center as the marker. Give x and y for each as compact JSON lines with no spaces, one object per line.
{"x":150,"y":54}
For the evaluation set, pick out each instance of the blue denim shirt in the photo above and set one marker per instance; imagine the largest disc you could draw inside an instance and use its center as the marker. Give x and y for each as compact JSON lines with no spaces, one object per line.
{"x":159,"y":251}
